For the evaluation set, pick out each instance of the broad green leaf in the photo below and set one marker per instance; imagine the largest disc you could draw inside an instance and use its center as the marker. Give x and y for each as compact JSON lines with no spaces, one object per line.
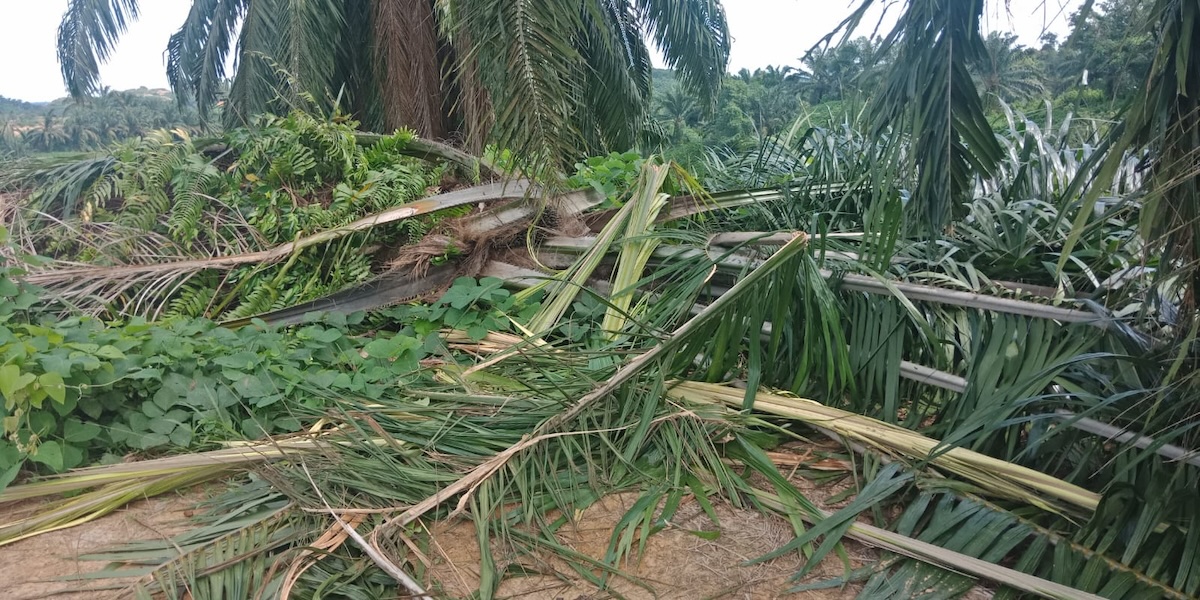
{"x":73,"y":456}
{"x":9,"y":474}
{"x":162,"y":426}
{"x":181,"y":436}
{"x":13,"y":380}
{"x":109,"y":352}
{"x":78,"y":432}
{"x":327,"y":336}
{"x":49,"y":453}
{"x":242,"y":360}
{"x":8,"y":288}
{"x":53,"y":384}
{"x":150,"y":440}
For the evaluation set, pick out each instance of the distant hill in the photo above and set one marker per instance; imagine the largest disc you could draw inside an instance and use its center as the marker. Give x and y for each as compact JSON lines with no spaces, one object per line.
{"x":19,"y":109}
{"x":662,"y":78}
{"x":12,"y":106}
{"x":20,"y":112}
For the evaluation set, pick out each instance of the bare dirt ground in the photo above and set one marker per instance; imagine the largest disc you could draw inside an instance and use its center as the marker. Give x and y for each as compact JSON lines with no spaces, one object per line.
{"x":677,"y":563}
{"x":29,"y":568}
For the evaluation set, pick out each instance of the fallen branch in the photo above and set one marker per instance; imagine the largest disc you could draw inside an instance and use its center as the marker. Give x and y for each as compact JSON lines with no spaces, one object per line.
{"x":935,"y":555}
{"x":999,"y":477}
{"x":624,"y":374}
{"x":486,"y":193}
{"x":376,"y":557}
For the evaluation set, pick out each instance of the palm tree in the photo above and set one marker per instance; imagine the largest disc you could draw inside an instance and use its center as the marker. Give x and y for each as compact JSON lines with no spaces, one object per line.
{"x":932,"y":97}
{"x":831,"y":73}
{"x":678,"y":108}
{"x":48,"y":136}
{"x":549,"y":79}
{"x":1009,"y":72}
{"x":773,"y":98}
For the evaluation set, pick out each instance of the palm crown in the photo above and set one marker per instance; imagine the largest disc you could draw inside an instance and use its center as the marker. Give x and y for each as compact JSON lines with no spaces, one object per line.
{"x":551,"y":79}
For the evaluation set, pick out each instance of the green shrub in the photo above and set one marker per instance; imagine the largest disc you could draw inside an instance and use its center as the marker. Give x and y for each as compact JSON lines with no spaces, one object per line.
{"x":81,"y":389}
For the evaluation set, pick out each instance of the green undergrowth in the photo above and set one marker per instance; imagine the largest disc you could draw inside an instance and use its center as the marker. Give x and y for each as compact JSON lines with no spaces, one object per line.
{"x":168,"y":196}
{"x":82,"y":390}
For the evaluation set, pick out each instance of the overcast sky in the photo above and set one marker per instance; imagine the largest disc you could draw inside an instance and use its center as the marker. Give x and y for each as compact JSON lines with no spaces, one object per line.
{"x":764,"y":32}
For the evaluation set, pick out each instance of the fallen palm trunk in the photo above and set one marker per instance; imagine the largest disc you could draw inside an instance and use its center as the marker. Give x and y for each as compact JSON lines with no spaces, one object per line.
{"x":384,"y":290}
{"x":406,"y":285}
{"x":997,"y":476}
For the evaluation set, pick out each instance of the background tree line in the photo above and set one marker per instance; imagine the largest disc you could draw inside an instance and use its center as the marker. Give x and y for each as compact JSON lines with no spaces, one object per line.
{"x":1091,"y":74}
{"x":89,"y":123}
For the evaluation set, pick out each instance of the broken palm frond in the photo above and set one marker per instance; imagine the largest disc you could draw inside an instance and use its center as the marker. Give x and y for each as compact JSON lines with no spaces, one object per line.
{"x":996,"y":476}
{"x":962,"y":523}
{"x":1125,"y":436}
{"x":932,"y":554}
{"x":69,"y":512}
{"x":562,"y":289}
{"x":682,"y":207}
{"x":950,"y":521}
{"x":492,"y":343}
{"x":954,"y":383}
{"x":236,"y":457}
{"x":423,"y":281}
{"x":929,"y":293}
{"x":237,"y":547}
{"x":80,"y":281}
{"x":750,"y":238}
{"x":327,"y":543}
{"x":122,"y":483}
{"x":636,"y":246}
{"x":665,"y":349}
{"x":476,"y":168}
{"x":410,"y":585}
{"x":872,"y":285}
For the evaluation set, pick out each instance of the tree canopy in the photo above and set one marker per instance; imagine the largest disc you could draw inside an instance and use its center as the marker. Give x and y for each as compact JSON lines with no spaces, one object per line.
{"x":546,"y":79}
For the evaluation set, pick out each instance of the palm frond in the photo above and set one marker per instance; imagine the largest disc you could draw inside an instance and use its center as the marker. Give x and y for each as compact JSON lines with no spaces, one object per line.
{"x":934,"y":98}
{"x":80,"y":282}
{"x":694,"y":39}
{"x":996,"y":476}
{"x":954,"y":562}
{"x":617,"y":89}
{"x":198,"y":52}
{"x":96,"y":491}
{"x":86,"y":36}
{"x":533,"y":72}
{"x":637,"y":247}
{"x":256,"y":84}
